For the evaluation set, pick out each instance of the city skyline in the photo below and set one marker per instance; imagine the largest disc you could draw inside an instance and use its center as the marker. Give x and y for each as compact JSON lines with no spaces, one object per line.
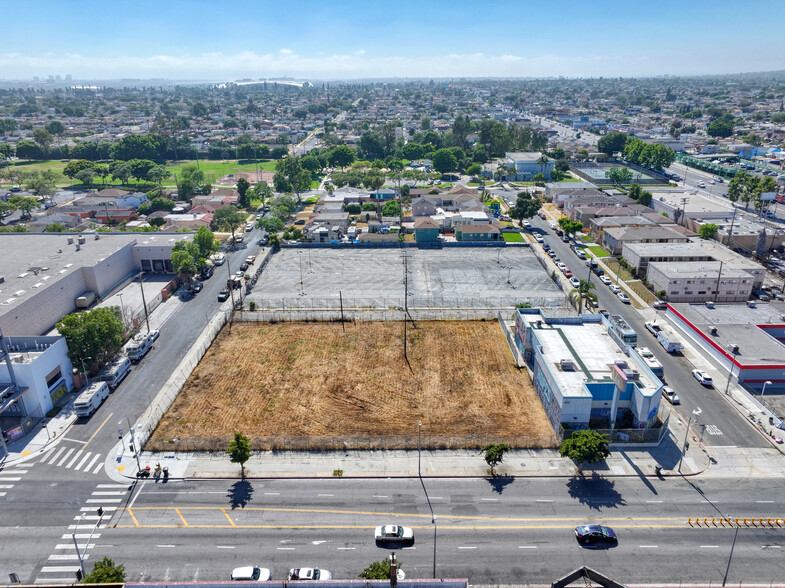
{"x":195,"y":40}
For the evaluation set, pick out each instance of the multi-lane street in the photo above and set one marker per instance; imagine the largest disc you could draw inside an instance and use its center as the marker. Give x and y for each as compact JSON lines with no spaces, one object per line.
{"x":503,"y":531}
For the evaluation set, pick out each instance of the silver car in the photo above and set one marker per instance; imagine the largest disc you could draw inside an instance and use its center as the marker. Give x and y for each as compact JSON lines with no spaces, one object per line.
{"x":386,"y":533}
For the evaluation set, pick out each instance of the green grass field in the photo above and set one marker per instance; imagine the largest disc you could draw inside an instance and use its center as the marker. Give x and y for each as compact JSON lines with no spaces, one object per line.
{"x":513,"y":237}
{"x":597,"y":251}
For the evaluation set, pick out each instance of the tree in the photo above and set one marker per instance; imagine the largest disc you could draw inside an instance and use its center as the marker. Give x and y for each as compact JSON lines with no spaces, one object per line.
{"x":583,"y":292}
{"x":26,"y":149}
{"x":542,"y":163}
{"x":525,"y":206}
{"x":185,"y":257}
{"x":55,"y":127}
{"x":645,"y":198}
{"x":720,"y":128}
{"x":205,"y":243}
{"x":43,"y":139}
{"x":56,"y":228}
{"x":494,"y":454}
{"x":27,"y":204}
{"x":240,"y":451}
{"x":570,"y":226}
{"x":93,"y":336}
{"x":6,"y":150}
{"x":227,"y":217}
{"x":86,"y":175}
{"x":158,"y":173}
{"x":634,"y":192}
{"x":120,"y":170}
{"x":301,"y":182}
{"x":243,"y":186}
{"x":611,"y":143}
{"x":391,"y":208}
{"x":708,"y":231}
{"x":619,"y":175}
{"x":263,"y":191}
{"x":474,"y":169}
{"x":105,"y":572}
{"x":585,"y":446}
{"x":75,"y":166}
{"x":43,"y":184}
{"x":271,"y":224}
{"x":444,"y":161}
{"x":378,"y":570}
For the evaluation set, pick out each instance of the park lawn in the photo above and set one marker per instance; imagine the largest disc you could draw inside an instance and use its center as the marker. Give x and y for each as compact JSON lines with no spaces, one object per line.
{"x":597,"y":251}
{"x":222,"y":168}
{"x":513,"y":237}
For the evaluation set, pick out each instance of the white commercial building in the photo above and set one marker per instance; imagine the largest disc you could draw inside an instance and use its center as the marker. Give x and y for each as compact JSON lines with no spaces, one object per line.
{"x":698,"y":281}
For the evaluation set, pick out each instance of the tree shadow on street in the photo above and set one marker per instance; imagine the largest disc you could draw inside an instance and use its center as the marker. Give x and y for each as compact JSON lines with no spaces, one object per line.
{"x":595,"y":492}
{"x":499,"y":483}
{"x":240,"y":494}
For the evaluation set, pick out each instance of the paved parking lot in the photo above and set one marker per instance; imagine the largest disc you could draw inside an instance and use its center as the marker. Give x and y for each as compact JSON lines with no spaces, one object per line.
{"x":451,"y":277}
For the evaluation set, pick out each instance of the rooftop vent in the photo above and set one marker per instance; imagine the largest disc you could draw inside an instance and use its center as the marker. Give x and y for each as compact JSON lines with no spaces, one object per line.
{"x":713,"y":330}
{"x":81,"y":239}
{"x":709,"y":304}
{"x":567,"y":365}
{"x":733,"y":347}
{"x":96,"y":237}
{"x":70,"y":240}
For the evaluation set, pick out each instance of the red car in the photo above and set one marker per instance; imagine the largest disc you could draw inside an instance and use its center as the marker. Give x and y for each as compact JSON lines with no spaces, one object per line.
{"x":567,"y":273}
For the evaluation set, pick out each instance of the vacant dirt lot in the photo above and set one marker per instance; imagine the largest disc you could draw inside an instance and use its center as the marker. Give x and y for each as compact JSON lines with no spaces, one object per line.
{"x":312,"y":380}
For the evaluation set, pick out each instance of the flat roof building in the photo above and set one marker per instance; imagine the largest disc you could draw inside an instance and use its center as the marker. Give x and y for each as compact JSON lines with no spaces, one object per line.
{"x":698,"y":281}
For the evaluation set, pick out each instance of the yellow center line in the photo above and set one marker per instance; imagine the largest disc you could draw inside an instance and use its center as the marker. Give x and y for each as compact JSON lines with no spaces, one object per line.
{"x":185,"y":523}
{"x":96,"y":432}
{"x":228,"y":517}
{"x":361,"y":527}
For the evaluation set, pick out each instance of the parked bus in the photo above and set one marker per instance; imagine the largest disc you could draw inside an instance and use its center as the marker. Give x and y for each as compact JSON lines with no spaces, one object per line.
{"x":89,"y":400}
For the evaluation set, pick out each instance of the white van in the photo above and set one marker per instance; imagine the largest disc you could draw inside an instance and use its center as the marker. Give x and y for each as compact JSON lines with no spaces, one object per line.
{"x":89,"y":400}
{"x":115,"y":372}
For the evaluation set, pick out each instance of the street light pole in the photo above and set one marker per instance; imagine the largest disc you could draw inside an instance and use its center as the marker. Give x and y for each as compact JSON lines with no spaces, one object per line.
{"x":419,"y":470}
{"x":762,"y":392}
{"x":144,"y":303}
{"x":730,"y":556}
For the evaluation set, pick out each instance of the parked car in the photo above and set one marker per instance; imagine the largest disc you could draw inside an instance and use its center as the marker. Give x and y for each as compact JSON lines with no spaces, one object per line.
{"x":592,"y":534}
{"x":249,"y":227}
{"x":670,"y":395}
{"x":623,"y":297}
{"x":309,"y":574}
{"x":560,"y":265}
{"x":207,"y":273}
{"x":251,"y":574}
{"x":538,"y":238}
{"x":223,"y":295}
{"x":575,"y":282}
{"x":243,"y":266}
{"x":386,"y":533}
{"x":196,"y":286}
{"x":567,"y":273}
{"x":660,"y":305}
{"x":598,"y":271}
{"x":614,"y":288}
{"x":702,"y":377}
{"x":605,"y":280}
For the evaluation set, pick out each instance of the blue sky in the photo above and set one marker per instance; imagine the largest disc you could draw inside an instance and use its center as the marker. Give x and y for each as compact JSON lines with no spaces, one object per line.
{"x":230,"y":39}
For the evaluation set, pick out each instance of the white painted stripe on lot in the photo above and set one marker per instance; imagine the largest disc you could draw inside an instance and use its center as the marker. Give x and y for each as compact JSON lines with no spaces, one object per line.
{"x":410,"y":547}
{"x":98,"y":468}
{"x":56,"y":455}
{"x":53,"y":569}
{"x":285,"y":548}
{"x":167,"y":545}
{"x":765,"y":501}
{"x":115,"y":486}
{"x":709,"y":546}
{"x":489,"y":499}
{"x":71,"y":545}
{"x":436,"y":498}
{"x":109,"y":493}
{"x":76,"y":456}
{"x":84,"y":459}
{"x":527,"y":547}
{"x":3,"y":493}
{"x":92,"y":461}
{"x":654,"y":501}
{"x":379,"y":496}
{"x":467,"y":547}
{"x":65,"y":457}
{"x":272,"y":493}
{"x":346,"y":548}
{"x":92,"y":508}
{"x":647,"y":546}
{"x":6,"y":486}
{"x":102,"y":500}
{"x":543,"y":500}
{"x":325,"y":494}
{"x":65,"y":557}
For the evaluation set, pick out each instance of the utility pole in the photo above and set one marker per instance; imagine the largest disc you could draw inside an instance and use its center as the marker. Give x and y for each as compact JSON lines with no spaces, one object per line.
{"x":730,"y":231}
{"x":144,"y":303}
{"x":717,"y":289}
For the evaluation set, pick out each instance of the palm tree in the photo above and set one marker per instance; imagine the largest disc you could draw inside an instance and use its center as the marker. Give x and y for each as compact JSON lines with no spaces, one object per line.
{"x":543,"y":162}
{"x":583,"y":292}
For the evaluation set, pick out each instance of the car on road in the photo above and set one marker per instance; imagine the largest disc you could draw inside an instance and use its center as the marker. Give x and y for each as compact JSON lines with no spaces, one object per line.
{"x":702,"y":377}
{"x":623,"y":297}
{"x":251,"y":574}
{"x":593,"y":534}
{"x":223,"y":295}
{"x":700,"y":184}
{"x":605,"y":280}
{"x":196,"y":287}
{"x":567,"y":273}
{"x":249,"y":227}
{"x":207,"y":273}
{"x":670,"y":395}
{"x":385,"y":533}
{"x":552,"y":253}
{"x":243,"y":266}
{"x":560,"y":265}
{"x":660,"y":305}
{"x":546,"y":247}
{"x":539,"y":238}
{"x":552,"y":226}
{"x":614,"y":288}
{"x":309,"y":574}
{"x":598,"y":270}
{"x":575,"y":282}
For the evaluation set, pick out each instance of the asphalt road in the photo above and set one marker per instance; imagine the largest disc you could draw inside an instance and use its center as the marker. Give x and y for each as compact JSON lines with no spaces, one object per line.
{"x":499,"y":531}
{"x":723,"y":426}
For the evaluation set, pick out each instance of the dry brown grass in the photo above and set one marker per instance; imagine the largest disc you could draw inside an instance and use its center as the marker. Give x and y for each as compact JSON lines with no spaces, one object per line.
{"x":314,"y":380}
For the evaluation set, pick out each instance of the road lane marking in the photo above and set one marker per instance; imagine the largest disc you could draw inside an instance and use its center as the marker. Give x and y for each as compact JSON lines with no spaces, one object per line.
{"x":133,"y":517}
{"x":87,"y":518}
{"x":272,"y":493}
{"x":54,"y":459}
{"x":346,"y":548}
{"x":709,"y":546}
{"x":66,"y":557}
{"x":65,"y":457}
{"x":77,"y":455}
{"x":4,"y":479}
{"x":84,"y":459}
{"x":102,"y":500}
{"x":169,"y":545}
{"x":92,"y":509}
{"x":182,"y":518}
{"x":71,"y":546}
{"x":227,"y":516}
{"x":3,"y":493}
{"x":325,"y":494}
{"x":285,"y":548}
{"x":765,"y":501}
{"x":543,"y":500}
{"x":6,"y":486}
{"x":527,"y":547}
{"x":654,"y":501}
{"x":466,"y":547}
{"x":436,"y":498}
{"x":116,"y":486}
{"x":92,"y":461}
{"x":109,"y":493}
{"x":379,"y":496}
{"x":489,"y":499}
{"x":13,"y":472}
{"x":98,"y":468}
{"x":225,"y":547}
{"x":96,"y":432}
{"x":80,"y":536}
{"x":647,"y":546}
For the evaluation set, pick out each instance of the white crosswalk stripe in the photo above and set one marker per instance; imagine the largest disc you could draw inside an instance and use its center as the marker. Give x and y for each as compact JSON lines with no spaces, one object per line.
{"x":53,"y":457}
{"x":74,"y":459}
{"x":65,"y":457}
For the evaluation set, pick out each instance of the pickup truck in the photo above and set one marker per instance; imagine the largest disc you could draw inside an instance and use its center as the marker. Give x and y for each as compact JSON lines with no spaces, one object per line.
{"x":653,"y":328}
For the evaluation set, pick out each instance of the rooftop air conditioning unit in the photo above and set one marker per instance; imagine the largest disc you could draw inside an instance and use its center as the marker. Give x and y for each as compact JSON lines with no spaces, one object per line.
{"x":734,"y":347}
{"x":751,"y":303}
{"x":78,"y":247}
{"x":713,"y":330}
{"x":70,"y":240}
{"x":81,"y":240}
{"x":567,"y":365}
{"x":96,"y":237}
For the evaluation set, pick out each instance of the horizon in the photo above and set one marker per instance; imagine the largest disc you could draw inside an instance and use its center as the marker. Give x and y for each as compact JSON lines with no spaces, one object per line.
{"x":193,"y":40}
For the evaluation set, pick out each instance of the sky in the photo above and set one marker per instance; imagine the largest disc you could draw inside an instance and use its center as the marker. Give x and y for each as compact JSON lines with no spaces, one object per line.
{"x":225,"y":40}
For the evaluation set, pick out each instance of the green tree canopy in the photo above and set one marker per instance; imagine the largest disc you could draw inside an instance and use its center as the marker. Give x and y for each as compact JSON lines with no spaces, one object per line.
{"x":105,"y":572}
{"x":243,"y":186}
{"x":611,"y":143}
{"x":27,"y":204}
{"x":93,"y":336}
{"x":391,"y":208}
{"x":525,"y":206}
{"x":239,"y":451}
{"x":378,"y":570}
{"x":227,"y":218}
{"x":444,"y":161}
{"x":619,"y":175}
{"x":585,"y":446}
{"x":708,"y":231}
{"x":493,"y":453}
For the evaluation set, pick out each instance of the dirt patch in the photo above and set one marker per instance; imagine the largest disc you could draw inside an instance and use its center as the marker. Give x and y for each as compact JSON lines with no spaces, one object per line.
{"x":314,"y":382}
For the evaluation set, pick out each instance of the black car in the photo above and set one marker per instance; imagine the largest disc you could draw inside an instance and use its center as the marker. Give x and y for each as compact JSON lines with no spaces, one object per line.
{"x":593,"y":534}
{"x":244,"y":266}
{"x":196,"y":287}
{"x":207,"y":273}
{"x":223,"y":295}
{"x":598,"y":271}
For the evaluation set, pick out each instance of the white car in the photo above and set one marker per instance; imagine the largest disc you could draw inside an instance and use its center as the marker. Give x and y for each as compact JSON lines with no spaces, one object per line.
{"x":309,"y":574}
{"x":575,"y":282}
{"x":386,"y":533}
{"x":251,"y":574}
{"x":614,"y":288}
{"x":561,"y":265}
{"x":552,"y":226}
{"x":669,"y":395}
{"x":539,"y":239}
{"x":702,"y":377}
{"x":249,"y":227}
{"x":623,"y":297}
{"x":605,"y":280}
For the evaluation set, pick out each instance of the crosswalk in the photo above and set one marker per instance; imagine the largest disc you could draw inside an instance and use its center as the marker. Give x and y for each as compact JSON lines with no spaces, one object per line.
{"x":10,"y":475}
{"x":63,"y":563}
{"x":74,"y":459}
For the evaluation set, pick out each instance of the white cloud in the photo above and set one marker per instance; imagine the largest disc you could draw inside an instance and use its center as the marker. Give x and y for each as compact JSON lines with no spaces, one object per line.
{"x":359,"y":64}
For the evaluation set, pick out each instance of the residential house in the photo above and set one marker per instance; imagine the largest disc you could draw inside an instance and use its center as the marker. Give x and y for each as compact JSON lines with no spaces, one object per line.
{"x":526,"y":166}
{"x":614,"y":239}
{"x":426,"y":230}
{"x":597,"y":226}
{"x":477,"y":232}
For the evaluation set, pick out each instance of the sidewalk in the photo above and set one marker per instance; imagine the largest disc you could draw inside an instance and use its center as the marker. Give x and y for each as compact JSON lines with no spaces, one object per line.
{"x":43,"y":436}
